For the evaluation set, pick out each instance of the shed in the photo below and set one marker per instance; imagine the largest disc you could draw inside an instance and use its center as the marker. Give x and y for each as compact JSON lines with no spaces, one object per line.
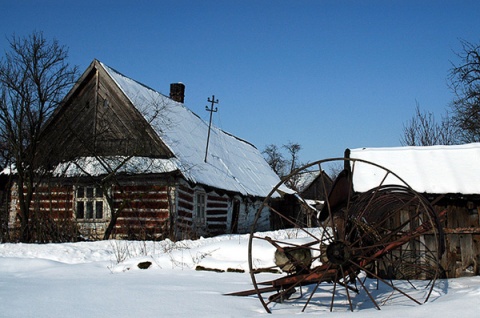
{"x":311,"y":185}
{"x":449,"y":177}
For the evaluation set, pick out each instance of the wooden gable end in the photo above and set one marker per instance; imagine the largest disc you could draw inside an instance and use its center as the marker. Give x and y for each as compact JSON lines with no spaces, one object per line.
{"x":96,"y":119}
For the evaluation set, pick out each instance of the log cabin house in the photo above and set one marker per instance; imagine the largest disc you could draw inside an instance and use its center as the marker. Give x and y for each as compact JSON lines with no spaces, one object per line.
{"x":118,"y":150}
{"x":449,"y":177}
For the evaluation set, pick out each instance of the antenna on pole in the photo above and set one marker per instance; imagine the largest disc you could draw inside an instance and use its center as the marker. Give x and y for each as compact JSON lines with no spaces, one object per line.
{"x":212,"y":110}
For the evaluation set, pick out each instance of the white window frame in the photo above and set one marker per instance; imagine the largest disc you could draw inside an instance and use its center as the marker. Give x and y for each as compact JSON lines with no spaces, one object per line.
{"x":92,"y":201}
{"x":200,"y":207}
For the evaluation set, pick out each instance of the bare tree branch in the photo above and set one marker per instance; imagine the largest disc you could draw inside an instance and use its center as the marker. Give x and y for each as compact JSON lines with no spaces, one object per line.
{"x":34,"y":76}
{"x":465,"y":84}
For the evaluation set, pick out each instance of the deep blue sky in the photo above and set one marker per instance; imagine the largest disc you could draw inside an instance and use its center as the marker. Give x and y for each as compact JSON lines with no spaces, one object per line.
{"x":328,"y":75}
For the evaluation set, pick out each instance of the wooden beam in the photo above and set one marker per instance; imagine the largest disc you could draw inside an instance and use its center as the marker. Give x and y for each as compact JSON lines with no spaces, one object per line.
{"x":462,"y":230}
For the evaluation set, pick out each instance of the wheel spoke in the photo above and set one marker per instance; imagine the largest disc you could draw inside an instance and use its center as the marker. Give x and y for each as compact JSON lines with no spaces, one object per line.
{"x":388,"y":233}
{"x":385,"y":282}
{"x":346,"y":288}
{"x":368,"y":293}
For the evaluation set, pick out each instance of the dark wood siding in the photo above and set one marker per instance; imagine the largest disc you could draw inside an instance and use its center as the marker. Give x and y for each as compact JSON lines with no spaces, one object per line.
{"x":217,"y":212}
{"x":56,"y":200}
{"x":145,"y":211}
{"x":98,"y":120}
{"x":462,"y":236}
{"x":51,"y":214}
{"x":185,"y":206}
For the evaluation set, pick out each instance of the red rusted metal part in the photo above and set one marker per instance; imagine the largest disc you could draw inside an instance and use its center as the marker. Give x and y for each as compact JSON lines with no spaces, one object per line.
{"x":386,"y":233}
{"x":324,"y":273}
{"x":319,"y":274}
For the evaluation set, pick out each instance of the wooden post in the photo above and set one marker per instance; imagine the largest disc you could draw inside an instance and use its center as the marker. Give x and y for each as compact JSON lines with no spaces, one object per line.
{"x":212,"y":110}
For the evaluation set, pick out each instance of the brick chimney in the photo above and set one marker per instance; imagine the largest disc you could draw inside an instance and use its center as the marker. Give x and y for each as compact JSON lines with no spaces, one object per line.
{"x":177,"y":92}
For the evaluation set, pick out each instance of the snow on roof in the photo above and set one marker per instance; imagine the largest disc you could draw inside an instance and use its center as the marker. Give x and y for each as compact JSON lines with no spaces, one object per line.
{"x":96,"y":166}
{"x":305,"y":179}
{"x":431,"y":169}
{"x":232,"y":164}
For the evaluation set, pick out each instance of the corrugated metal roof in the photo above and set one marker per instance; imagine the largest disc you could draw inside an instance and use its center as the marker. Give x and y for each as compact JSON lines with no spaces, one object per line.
{"x":233,"y":164}
{"x":431,"y":169}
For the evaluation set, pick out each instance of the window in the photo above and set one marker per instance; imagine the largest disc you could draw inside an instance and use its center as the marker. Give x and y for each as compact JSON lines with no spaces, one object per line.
{"x":89,"y":203}
{"x":200,"y":207}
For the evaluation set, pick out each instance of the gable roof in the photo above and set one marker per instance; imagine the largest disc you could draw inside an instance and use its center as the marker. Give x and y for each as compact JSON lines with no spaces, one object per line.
{"x":430,"y":169}
{"x":305,"y":179}
{"x":232,"y":163}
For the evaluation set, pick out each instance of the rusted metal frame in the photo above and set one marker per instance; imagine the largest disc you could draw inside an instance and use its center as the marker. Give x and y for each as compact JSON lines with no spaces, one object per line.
{"x":426,"y":227}
{"x":280,"y":248}
{"x":350,"y":194}
{"x":431,"y":288}
{"x":368,"y":292}
{"x":330,"y":216}
{"x":253,"y":291}
{"x":346,"y":289}
{"x":305,"y":279}
{"x":440,"y":197}
{"x":393,"y":245}
{"x":298,"y":280}
{"x":326,"y":274}
{"x":424,"y":268}
{"x":372,"y":196}
{"x":292,"y":222}
{"x":386,"y":239}
{"x":390,"y":247}
{"x":362,"y":268}
{"x":385,"y":219}
{"x":344,"y":284}
{"x":286,"y":283}
{"x":377,"y":188}
{"x":327,"y":201}
{"x":392,"y":232}
{"x":280,"y":295}
{"x":314,"y":290}
{"x":320,"y":273}
{"x":333,"y":292}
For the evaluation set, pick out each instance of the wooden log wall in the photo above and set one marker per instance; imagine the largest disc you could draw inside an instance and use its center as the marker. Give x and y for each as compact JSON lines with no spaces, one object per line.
{"x":51,"y":212}
{"x":184,"y":218}
{"x":144,"y":212}
{"x":217,"y":209}
{"x":248,"y":212}
{"x":56,"y":200}
{"x":217,"y":213}
{"x":462,"y":238}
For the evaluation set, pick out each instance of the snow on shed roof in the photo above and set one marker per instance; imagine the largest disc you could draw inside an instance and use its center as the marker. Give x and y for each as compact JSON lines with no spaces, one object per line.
{"x":232,"y":164}
{"x":430,"y":169}
{"x":305,"y":179}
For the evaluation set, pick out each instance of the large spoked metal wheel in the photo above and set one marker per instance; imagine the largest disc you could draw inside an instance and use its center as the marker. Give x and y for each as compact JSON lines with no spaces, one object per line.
{"x":360,"y":248}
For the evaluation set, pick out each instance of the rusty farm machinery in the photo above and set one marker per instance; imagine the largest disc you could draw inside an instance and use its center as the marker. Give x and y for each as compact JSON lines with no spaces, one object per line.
{"x":338,"y":253}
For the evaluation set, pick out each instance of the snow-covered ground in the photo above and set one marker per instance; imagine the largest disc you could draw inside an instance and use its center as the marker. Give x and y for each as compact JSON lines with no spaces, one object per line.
{"x":102,"y":279}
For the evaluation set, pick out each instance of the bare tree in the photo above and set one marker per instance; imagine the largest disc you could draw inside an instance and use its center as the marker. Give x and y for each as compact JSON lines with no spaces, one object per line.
{"x":275,"y":159}
{"x":465,"y":83}
{"x":293,"y":149}
{"x":34,"y":77}
{"x":423,"y":130}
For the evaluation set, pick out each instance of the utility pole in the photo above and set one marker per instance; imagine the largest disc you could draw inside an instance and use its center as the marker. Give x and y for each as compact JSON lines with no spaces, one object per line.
{"x":212,"y":110}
